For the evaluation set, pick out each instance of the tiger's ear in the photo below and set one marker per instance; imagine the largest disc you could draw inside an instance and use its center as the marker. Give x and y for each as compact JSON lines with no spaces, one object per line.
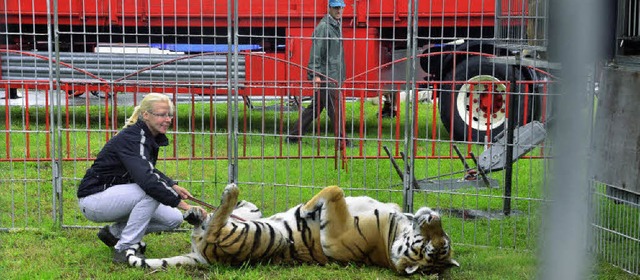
{"x":409,"y":216}
{"x":411,"y":269}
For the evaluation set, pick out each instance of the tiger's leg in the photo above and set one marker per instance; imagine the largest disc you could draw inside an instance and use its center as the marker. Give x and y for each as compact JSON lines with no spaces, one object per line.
{"x":335,"y":216}
{"x":221,"y":215}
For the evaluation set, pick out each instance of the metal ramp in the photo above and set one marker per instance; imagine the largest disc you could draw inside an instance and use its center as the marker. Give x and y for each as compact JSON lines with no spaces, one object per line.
{"x":526,"y":138}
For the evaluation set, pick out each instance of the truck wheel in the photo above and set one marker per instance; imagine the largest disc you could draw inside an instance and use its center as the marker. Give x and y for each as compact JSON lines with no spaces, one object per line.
{"x":474,"y":108}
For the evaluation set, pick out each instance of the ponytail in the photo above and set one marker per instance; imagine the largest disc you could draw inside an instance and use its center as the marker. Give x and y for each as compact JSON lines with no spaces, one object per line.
{"x":134,"y":117}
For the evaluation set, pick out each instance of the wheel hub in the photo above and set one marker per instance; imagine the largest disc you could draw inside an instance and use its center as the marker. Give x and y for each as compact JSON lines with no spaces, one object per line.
{"x":482,"y":102}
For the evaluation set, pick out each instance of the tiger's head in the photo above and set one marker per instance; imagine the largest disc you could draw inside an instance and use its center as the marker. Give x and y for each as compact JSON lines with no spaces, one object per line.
{"x":426,"y":248}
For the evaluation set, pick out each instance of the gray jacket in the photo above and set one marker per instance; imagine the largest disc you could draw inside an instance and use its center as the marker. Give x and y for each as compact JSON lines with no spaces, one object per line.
{"x":327,"y":53}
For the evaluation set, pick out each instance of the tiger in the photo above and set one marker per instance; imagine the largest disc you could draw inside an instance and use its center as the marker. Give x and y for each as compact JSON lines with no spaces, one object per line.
{"x":328,"y":228}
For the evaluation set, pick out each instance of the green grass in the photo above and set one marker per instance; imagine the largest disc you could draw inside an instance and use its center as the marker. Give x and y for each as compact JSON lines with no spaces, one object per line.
{"x":77,"y":254}
{"x":275,"y":176}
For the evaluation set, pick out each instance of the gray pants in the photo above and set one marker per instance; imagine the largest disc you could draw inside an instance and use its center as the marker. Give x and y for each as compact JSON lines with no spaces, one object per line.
{"x":133,"y":212}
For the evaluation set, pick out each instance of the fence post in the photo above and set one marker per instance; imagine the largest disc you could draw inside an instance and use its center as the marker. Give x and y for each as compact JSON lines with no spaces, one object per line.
{"x":574,"y":41}
{"x":55,"y":112}
{"x":511,"y":123}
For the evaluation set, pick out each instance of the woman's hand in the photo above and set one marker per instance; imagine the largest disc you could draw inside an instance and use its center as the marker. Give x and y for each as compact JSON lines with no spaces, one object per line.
{"x":202,"y":211}
{"x":185,"y":206}
{"x":182,"y":192}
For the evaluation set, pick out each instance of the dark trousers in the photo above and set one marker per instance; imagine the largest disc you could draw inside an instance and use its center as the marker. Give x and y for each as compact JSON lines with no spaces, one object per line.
{"x":390,"y":102}
{"x":325,"y":97}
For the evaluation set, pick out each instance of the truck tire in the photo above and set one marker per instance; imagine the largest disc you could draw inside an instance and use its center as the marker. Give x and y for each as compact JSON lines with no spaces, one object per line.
{"x":481,"y":115}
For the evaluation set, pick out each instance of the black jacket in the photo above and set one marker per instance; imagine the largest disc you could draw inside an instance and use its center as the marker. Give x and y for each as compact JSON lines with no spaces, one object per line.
{"x":130,"y":157}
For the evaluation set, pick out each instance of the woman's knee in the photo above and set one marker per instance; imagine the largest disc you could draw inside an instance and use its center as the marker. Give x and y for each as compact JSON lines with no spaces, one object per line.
{"x":176,"y":220}
{"x":170,"y":217}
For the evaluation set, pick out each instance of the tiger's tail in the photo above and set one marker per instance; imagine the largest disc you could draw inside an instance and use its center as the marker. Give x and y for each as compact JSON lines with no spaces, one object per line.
{"x":190,"y":259}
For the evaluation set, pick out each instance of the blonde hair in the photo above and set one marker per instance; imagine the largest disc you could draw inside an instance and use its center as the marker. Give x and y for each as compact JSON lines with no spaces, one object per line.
{"x":146,"y":105}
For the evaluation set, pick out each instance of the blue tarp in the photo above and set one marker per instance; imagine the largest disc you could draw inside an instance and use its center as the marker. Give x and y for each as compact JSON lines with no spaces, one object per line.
{"x":192,"y":48}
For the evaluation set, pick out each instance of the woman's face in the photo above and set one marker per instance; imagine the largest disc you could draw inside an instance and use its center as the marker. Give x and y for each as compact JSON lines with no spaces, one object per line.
{"x":159,"y":118}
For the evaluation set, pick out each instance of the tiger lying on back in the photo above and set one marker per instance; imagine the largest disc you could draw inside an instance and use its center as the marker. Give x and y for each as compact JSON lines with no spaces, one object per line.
{"x":329,"y":227}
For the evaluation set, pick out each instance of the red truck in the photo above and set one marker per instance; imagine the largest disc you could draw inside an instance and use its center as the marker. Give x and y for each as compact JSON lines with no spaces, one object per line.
{"x":273,"y":39}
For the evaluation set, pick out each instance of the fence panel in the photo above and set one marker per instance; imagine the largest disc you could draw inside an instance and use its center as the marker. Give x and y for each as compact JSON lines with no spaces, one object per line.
{"x":444,"y":104}
{"x":240,"y":82}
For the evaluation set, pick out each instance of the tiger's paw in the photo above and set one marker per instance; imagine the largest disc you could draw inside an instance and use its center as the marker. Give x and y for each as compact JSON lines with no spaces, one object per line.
{"x":303,"y":212}
{"x":230,"y":191}
{"x":193,"y":216}
{"x":309,"y":210}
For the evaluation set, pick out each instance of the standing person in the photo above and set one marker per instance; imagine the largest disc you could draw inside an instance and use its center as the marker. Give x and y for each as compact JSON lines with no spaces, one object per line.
{"x":123,"y":185}
{"x":327,"y":70}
